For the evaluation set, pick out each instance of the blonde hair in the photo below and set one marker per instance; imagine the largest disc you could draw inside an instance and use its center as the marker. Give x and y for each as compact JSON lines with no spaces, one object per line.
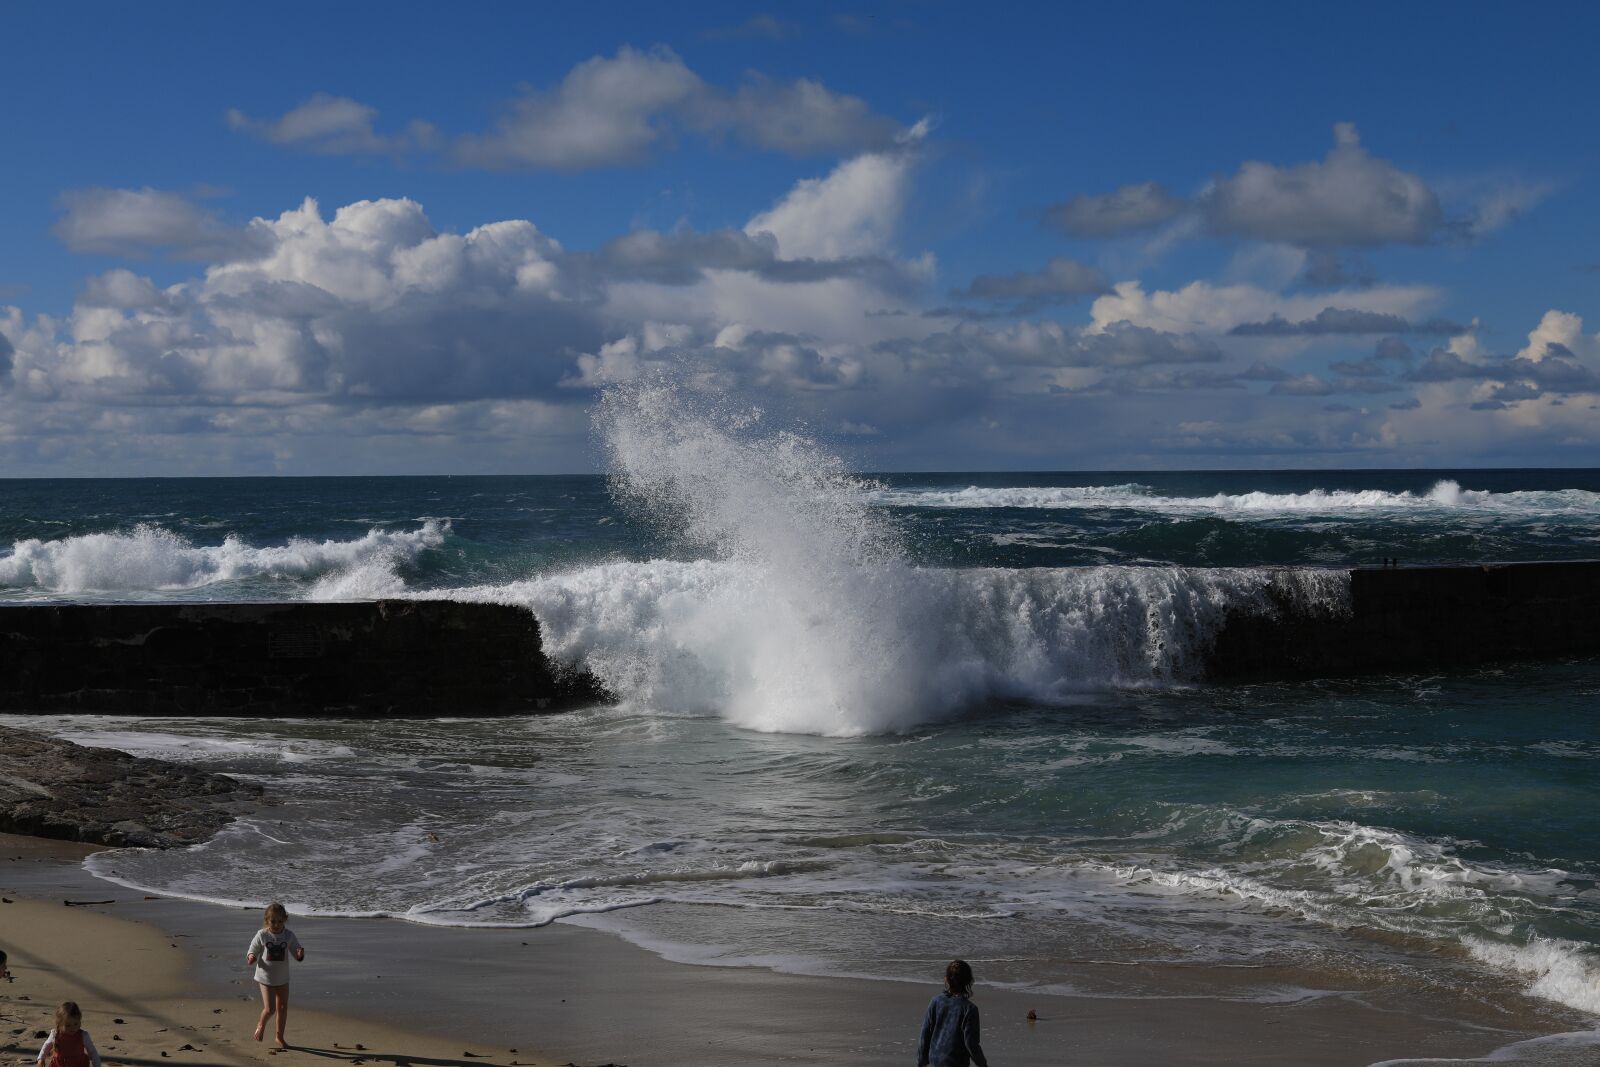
{"x":68,"y":1013}
{"x":272,"y":911}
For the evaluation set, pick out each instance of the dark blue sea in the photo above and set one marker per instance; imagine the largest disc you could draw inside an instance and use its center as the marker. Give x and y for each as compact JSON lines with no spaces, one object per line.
{"x":868,"y":722}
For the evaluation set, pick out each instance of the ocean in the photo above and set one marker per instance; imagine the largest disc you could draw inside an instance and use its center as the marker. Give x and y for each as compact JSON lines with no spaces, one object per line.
{"x":866,"y":723}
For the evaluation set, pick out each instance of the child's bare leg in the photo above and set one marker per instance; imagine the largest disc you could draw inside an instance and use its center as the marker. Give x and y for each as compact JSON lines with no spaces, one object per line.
{"x":266,"y":1011}
{"x":280,"y":995}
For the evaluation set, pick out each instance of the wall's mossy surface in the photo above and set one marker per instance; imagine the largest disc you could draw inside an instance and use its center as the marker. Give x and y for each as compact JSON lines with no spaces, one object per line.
{"x":1422,"y":618}
{"x":386,"y":657}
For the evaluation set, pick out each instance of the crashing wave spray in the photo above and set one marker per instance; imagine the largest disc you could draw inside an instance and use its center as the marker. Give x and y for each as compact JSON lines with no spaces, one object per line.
{"x":819,"y":609}
{"x":808,"y":618}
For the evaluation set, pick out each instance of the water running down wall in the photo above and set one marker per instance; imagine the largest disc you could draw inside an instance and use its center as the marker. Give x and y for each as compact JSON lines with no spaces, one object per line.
{"x":443,"y":657}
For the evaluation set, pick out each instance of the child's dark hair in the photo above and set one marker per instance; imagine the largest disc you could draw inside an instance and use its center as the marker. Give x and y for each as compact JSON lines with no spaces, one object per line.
{"x":68,"y":1013}
{"x":958,"y":978}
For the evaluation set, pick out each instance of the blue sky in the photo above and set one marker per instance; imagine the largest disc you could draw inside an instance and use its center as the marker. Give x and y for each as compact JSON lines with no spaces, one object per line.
{"x":942,"y":236}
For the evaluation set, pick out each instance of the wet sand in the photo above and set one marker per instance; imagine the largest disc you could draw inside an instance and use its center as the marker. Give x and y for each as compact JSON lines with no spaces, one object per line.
{"x":174,"y":972}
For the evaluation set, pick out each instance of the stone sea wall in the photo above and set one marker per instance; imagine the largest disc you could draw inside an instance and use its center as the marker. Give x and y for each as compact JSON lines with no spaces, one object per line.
{"x":1418,"y":618}
{"x":385,"y":657}
{"x":406,"y":657}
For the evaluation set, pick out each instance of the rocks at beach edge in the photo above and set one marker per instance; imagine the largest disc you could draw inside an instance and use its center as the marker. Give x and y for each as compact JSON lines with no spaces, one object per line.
{"x":58,"y":789}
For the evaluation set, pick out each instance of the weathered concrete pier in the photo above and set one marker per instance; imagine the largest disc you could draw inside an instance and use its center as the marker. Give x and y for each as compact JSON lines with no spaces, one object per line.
{"x":437,"y":657}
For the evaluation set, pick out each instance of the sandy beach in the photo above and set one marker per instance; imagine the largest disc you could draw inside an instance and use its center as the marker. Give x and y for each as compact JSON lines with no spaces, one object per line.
{"x":163,"y":980}
{"x":143,"y":1001}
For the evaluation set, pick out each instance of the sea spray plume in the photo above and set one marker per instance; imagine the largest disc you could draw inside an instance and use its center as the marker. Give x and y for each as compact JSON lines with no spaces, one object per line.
{"x":708,"y":469}
{"x":821,"y":630}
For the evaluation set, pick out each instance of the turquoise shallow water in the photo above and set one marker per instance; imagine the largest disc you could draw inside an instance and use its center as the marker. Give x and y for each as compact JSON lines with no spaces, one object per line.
{"x":865,"y":726}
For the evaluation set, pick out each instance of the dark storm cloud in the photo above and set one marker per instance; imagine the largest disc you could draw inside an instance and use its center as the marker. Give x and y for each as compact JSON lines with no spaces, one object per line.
{"x":1358,"y":384}
{"x":1394,"y":349}
{"x":1059,"y":280}
{"x":437,"y":349}
{"x":1262,"y":372}
{"x":1363,"y":368}
{"x":1123,"y":344}
{"x":1327,"y":269}
{"x":976,"y":356}
{"x":1305,"y":385}
{"x":1511,"y":392}
{"x":682,"y":258}
{"x":1335,"y":321}
{"x":1520,"y":378}
{"x":1164,"y":379}
{"x":1558,"y":372}
{"x":1351,"y":198}
{"x":1127,"y":210}
{"x":1443,"y":365}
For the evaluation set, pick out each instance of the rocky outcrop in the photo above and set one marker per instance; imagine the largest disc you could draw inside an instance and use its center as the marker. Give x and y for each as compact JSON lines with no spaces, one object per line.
{"x":54,"y":788}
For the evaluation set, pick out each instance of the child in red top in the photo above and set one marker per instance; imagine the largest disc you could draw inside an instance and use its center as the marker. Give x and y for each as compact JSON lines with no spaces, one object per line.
{"x":69,"y":1044}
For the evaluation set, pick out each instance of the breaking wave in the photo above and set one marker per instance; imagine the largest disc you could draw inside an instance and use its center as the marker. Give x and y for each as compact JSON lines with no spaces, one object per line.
{"x":1445,"y":495}
{"x":884,"y":648}
{"x":149,"y":558}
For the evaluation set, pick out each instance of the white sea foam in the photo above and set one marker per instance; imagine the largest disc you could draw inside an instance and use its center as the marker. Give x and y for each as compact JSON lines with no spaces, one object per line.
{"x":210,"y":749}
{"x":1348,"y":875}
{"x":1563,"y":971}
{"x":1445,"y":496}
{"x":151,"y":558}
{"x":884,"y":647}
{"x":1576,"y":1048}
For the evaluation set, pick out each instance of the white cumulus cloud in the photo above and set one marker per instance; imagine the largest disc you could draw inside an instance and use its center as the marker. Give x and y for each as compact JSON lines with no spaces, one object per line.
{"x":851,"y":212}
